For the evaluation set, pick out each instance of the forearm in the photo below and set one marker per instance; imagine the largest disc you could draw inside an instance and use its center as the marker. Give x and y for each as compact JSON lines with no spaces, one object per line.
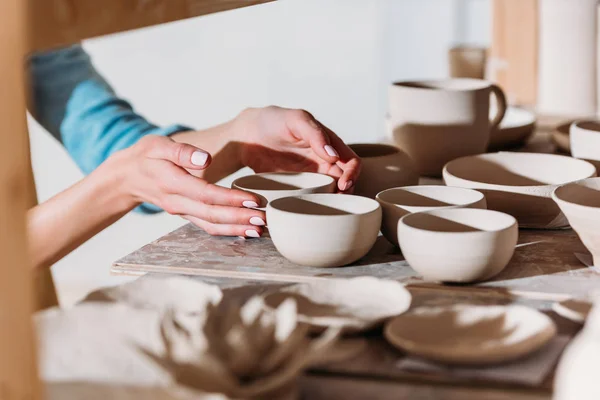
{"x":61,"y":224}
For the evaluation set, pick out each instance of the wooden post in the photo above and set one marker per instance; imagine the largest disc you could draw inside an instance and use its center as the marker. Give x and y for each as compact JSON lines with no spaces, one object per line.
{"x":18,"y":375}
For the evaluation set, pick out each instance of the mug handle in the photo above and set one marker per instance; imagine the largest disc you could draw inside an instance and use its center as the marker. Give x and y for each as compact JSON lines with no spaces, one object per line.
{"x":501,"y":105}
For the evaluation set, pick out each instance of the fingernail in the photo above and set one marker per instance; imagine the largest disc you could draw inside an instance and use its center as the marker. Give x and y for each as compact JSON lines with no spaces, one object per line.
{"x":257,"y":221}
{"x":252,"y":234}
{"x":199,"y":158}
{"x":249,"y":204}
{"x":331,"y":151}
{"x":348,"y":185}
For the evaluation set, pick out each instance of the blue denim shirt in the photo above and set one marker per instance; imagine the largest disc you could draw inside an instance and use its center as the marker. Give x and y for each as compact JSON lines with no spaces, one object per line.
{"x":80,"y":109}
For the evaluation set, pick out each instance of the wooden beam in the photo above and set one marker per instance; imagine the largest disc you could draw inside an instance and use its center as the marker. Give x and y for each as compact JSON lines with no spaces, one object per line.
{"x":18,"y":376}
{"x":60,"y":22}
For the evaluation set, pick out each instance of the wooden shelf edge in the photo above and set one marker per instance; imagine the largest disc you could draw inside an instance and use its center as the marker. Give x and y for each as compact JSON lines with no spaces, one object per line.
{"x":56,"y":23}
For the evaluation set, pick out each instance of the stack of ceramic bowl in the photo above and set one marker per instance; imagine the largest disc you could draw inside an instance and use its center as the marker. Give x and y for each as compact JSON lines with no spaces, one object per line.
{"x":309,"y":224}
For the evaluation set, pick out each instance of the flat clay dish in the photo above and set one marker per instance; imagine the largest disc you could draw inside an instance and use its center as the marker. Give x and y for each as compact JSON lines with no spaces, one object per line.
{"x":471,"y":335}
{"x":355,"y":305}
{"x":516,"y":127}
{"x":573,"y":309}
{"x":560,"y":137}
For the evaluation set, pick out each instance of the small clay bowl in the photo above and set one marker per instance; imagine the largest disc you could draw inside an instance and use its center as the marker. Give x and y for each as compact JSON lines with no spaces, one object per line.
{"x":324,"y":230}
{"x":458,"y":245}
{"x":464,"y":334}
{"x":383,"y":167}
{"x":397,"y":202}
{"x":519,"y":184}
{"x":274,"y":185}
{"x":560,"y":137}
{"x":585,"y":141}
{"x":580,"y":202}
{"x":516,"y":127}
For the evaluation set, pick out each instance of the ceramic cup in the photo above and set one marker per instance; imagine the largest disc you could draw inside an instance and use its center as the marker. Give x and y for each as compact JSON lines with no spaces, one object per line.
{"x":383,"y":167}
{"x":398,"y":202}
{"x":467,"y":62}
{"x":324,"y":230}
{"x":274,"y":185}
{"x":458,"y":245}
{"x":520,"y":184}
{"x":584,"y":137}
{"x":437,"y":121}
{"x":580,"y":202}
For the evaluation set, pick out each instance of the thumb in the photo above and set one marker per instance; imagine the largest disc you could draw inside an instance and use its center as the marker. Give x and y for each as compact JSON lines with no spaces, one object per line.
{"x":182,"y":154}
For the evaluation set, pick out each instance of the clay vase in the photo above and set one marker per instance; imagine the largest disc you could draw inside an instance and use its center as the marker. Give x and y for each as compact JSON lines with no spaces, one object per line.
{"x":580,"y":202}
{"x":584,"y":137}
{"x":520,"y":184}
{"x":324,"y":230}
{"x":467,"y":62}
{"x":437,"y":121}
{"x":567,"y":57}
{"x":458,"y":245}
{"x":383,"y":167}
{"x":398,"y":202}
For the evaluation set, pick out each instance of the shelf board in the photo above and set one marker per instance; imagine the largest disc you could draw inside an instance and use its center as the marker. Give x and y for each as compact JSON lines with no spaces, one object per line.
{"x":55,"y":23}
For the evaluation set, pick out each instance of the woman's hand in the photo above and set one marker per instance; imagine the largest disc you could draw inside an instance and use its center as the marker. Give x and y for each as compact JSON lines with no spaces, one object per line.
{"x":278,"y":139}
{"x":155,"y":170}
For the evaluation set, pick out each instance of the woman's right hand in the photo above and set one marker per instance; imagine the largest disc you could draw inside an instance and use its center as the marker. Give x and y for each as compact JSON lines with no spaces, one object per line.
{"x":154,"y":170}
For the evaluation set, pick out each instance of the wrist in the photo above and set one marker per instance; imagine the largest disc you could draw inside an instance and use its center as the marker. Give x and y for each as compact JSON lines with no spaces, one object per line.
{"x":111,"y":183}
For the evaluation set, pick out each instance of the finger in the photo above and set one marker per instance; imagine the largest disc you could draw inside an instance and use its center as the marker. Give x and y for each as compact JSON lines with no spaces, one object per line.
{"x":246,"y":231}
{"x":349,"y":163}
{"x":182,"y":154}
{"x":306,"y":128}
{"x":179,"y":205}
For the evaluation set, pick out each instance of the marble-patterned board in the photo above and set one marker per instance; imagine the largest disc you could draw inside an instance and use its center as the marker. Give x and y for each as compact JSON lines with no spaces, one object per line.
{"x":544,"y":264}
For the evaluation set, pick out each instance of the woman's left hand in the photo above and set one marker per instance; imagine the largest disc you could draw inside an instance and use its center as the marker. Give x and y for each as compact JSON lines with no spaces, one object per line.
{"x":277,"y":139}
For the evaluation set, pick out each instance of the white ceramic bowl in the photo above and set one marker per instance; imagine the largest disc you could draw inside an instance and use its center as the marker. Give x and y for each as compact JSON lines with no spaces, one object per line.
{"x":520,"y":184}
{"x":397,"y":202}
{"x":274,"y":185}
{"x":585,"y":141}
{"x":458,"y":245}
{"x":324,"y":230}
{"x":580,"y":202}
{"x":516,"y":127}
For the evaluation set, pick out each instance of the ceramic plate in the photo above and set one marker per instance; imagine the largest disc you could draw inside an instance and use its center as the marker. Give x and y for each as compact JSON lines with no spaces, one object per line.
{"x":560,"y":137}
{"x":469,"y":334}
{"x":516,"y":127}
{"x":573,"y":309}
{"x":355,"y":304}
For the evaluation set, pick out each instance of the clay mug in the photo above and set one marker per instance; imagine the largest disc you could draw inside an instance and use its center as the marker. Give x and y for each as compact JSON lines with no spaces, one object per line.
{"x":382,"y":167}
{"x":467,"y":62}
{"x":437,"y":121}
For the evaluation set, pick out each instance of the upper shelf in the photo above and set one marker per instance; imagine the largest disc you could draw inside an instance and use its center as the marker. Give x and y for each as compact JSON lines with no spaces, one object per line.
{"x":56,"y":23}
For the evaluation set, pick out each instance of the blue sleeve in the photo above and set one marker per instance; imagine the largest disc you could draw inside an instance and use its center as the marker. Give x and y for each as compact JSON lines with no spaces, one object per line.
{"x":79,"y":108}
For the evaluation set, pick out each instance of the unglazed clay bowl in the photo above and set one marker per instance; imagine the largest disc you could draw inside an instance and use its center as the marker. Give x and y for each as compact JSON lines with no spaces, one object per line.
{"x":383,"y":167}
{"x":560,"y":137}
{"x":458,"y":245}
{"x":520,"y":184}
{"x":580,"y":202}
{"x":465,"y":334}
{"x":585,"y":141}
{"x":516,"y":127}
{"x":274,"y":185}
{"x":398,"y":202}
{"x":324,"y":230}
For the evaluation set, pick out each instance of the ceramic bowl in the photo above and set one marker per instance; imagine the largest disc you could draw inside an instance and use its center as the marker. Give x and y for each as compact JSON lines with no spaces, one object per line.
{"x":585,"y":141}
{"x":560,"y":137}
{"x":520,"y":184}
{"x":274,"y":185}
{"x":580,"y":202}
{"x":397,"y":202}
{"x":383,"y":167}
{"x":516,"y":127}
{"x":458,"y":245}
{"x":471,"y":334}
{"x":324,"y":230}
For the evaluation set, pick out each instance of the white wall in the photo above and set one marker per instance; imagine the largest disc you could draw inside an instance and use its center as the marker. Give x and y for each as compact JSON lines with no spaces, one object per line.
{"x":332,"y":57}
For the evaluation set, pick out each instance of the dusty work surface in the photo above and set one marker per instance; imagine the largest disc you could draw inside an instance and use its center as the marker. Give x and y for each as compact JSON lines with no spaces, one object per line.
{"x":544,"y":265}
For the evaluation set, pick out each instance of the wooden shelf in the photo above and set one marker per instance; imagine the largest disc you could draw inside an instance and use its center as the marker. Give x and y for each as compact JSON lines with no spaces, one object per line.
{"x":55,"y":23}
